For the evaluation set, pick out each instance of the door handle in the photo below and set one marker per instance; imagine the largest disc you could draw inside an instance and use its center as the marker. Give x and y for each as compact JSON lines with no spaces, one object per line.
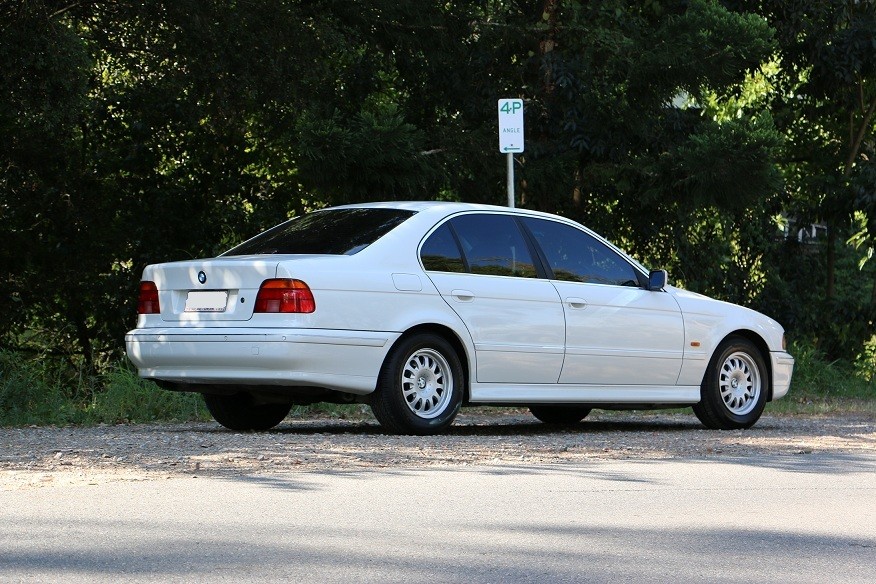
{"x":576,"y":303}
{"x":462,"y":295}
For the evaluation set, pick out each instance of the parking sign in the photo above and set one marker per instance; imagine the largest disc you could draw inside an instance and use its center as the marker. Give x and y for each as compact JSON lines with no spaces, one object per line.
{"x":510,"y":126}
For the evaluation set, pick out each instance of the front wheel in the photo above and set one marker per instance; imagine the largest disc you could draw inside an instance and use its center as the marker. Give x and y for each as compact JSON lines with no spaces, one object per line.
{"x":734,"y":389}
{"x":419,"y":390}
{"x":239,"y":412}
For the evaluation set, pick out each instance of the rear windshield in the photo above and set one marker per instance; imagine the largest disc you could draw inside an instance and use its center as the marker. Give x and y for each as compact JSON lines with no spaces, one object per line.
{"x":335,"y":232}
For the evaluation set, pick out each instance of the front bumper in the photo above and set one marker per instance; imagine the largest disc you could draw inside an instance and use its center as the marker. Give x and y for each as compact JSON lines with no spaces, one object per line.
{"x":782,"y":367}
{"x":340,"y":360}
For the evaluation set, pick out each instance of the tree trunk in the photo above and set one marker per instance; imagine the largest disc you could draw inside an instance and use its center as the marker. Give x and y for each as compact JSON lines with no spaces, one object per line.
{"x":873,"y":293}
{"x":548,"y":42}
{"x":831,"y":261}
{"x":83,"y":334}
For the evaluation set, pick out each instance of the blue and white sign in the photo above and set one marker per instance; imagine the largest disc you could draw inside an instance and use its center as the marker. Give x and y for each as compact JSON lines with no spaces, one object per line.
{"x":510,"y":126}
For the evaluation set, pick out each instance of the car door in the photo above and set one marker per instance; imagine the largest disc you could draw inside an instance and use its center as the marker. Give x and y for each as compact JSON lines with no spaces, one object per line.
{"x":482,"y":266}
{"x":617,"y":331}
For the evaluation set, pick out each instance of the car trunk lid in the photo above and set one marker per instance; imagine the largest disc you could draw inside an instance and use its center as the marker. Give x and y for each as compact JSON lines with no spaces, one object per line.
{"x":213,"y":290}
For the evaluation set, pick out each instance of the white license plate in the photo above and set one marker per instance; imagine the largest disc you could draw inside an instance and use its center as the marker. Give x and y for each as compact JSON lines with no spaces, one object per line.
{"x":206,"y":301}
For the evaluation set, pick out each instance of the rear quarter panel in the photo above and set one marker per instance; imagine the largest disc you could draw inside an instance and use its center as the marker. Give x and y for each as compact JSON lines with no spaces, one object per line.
{"x":371,"y":292}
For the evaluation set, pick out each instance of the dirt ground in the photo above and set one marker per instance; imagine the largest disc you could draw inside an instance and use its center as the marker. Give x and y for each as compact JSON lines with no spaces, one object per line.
{"x":35,"y":457}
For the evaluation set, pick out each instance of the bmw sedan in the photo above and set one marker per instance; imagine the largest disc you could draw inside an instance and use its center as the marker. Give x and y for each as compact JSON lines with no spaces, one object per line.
{"x":420,"y":308}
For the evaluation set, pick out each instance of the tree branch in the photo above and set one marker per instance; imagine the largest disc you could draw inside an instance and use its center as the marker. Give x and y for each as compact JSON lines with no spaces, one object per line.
{"x":69,"y":7}
{"x":856,"y":144}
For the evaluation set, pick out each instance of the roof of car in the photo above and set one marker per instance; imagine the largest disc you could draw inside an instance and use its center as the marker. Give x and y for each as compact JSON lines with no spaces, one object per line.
{"x":415,"y":205}
{"x":440,"y":207}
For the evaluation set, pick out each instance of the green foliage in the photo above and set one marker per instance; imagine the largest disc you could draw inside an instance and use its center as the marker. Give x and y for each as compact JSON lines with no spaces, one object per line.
{"x":32,"y":393}
{"x":825,"y":104}
{"x":794,"y":295}
{"x":46,"y":391}
{"x":823,"y":386}
{"x":863,"y":236}
{"x":356,"y":412}
{"x":136,"y":133}
{"x":713,"y":158}
{"x":376,"y":155}
{"x":128,"y":398}
{"x":43,"y":180}
{"x":865,"y":363}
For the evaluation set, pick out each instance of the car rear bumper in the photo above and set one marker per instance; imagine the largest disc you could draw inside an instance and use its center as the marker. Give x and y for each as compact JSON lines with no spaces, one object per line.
{"x":783,"y":367}
{"x":341,"y":360}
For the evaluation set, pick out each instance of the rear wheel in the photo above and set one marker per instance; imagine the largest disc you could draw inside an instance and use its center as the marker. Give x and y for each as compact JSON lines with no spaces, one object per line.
{"x":734,"y":390}
{"x":419,"y":390}
{"x":239,"y":412}
{"x":559,"y":414}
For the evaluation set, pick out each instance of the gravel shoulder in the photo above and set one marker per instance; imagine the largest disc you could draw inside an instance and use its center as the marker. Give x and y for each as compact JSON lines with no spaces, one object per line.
{"x":36,"y":457}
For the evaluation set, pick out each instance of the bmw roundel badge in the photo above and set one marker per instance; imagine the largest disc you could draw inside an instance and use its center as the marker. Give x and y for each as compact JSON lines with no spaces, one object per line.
{"x":202,"y":277}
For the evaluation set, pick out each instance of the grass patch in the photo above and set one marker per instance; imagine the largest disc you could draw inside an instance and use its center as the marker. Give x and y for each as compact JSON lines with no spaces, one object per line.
{"x":45,"y":392}
{"x":128,"y":398}
{"x":33,"y":392}
{"x":353,"y":412}
{"x":820,"y":386}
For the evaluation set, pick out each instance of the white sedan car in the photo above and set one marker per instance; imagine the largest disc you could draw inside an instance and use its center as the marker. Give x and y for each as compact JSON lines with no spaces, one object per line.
{"x":419,"y":308}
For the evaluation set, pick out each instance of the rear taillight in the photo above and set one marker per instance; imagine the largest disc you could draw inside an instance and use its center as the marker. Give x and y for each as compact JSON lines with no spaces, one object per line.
{"x":147,"y":303}
{"x":284,"y":295}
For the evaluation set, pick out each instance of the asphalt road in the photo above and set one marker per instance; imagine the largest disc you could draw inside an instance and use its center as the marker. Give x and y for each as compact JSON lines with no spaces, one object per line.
{"x":755,"y":519}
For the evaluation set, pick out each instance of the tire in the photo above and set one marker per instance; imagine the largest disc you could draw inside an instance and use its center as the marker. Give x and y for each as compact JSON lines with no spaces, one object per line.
{"x":735,"y":387}
{"x":559,"y":414}
{"x":238,"y":412}
{"x":420,"y":387}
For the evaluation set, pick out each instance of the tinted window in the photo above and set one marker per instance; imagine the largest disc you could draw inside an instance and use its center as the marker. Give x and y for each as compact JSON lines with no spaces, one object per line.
{"x":440,"y":252}
{"x":336,"y":232}
{"x":576,"y":256}
{"x":493,"y":244}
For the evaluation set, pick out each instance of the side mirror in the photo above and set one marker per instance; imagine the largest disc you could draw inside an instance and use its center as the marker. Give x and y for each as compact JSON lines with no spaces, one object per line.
{"x":657,"y":280}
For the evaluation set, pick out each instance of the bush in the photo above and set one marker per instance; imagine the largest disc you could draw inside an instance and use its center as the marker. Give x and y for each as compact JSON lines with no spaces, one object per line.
{"x":865,"y":364}
{"x":820,"y":385}
{"x":32,"y":393}
{"x":128,"y":398}
{"x":41,"y":391}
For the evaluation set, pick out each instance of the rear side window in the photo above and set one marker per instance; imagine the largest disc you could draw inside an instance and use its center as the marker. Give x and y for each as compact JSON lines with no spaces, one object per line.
{"x":493,"y":245}
{"x":576,"y":256}
{"x":334,"y":232}
{"x":440,"y":252}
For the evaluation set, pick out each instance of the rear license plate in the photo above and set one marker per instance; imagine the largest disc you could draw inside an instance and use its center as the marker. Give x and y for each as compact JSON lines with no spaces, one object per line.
{"x":206,"y":301}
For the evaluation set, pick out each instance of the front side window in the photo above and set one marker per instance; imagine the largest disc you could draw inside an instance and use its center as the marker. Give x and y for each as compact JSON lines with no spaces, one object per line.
{"x":494,"y":245}
{"x":576,"y":256}
{"x":333,"y":231}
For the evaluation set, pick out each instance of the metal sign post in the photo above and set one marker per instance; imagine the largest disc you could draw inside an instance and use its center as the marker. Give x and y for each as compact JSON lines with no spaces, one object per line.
{"x":511,"y":180}
{"x":510,"y":136}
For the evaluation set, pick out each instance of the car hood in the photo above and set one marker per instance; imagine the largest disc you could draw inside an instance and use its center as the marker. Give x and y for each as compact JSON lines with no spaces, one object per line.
{"x":695,"y":302}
